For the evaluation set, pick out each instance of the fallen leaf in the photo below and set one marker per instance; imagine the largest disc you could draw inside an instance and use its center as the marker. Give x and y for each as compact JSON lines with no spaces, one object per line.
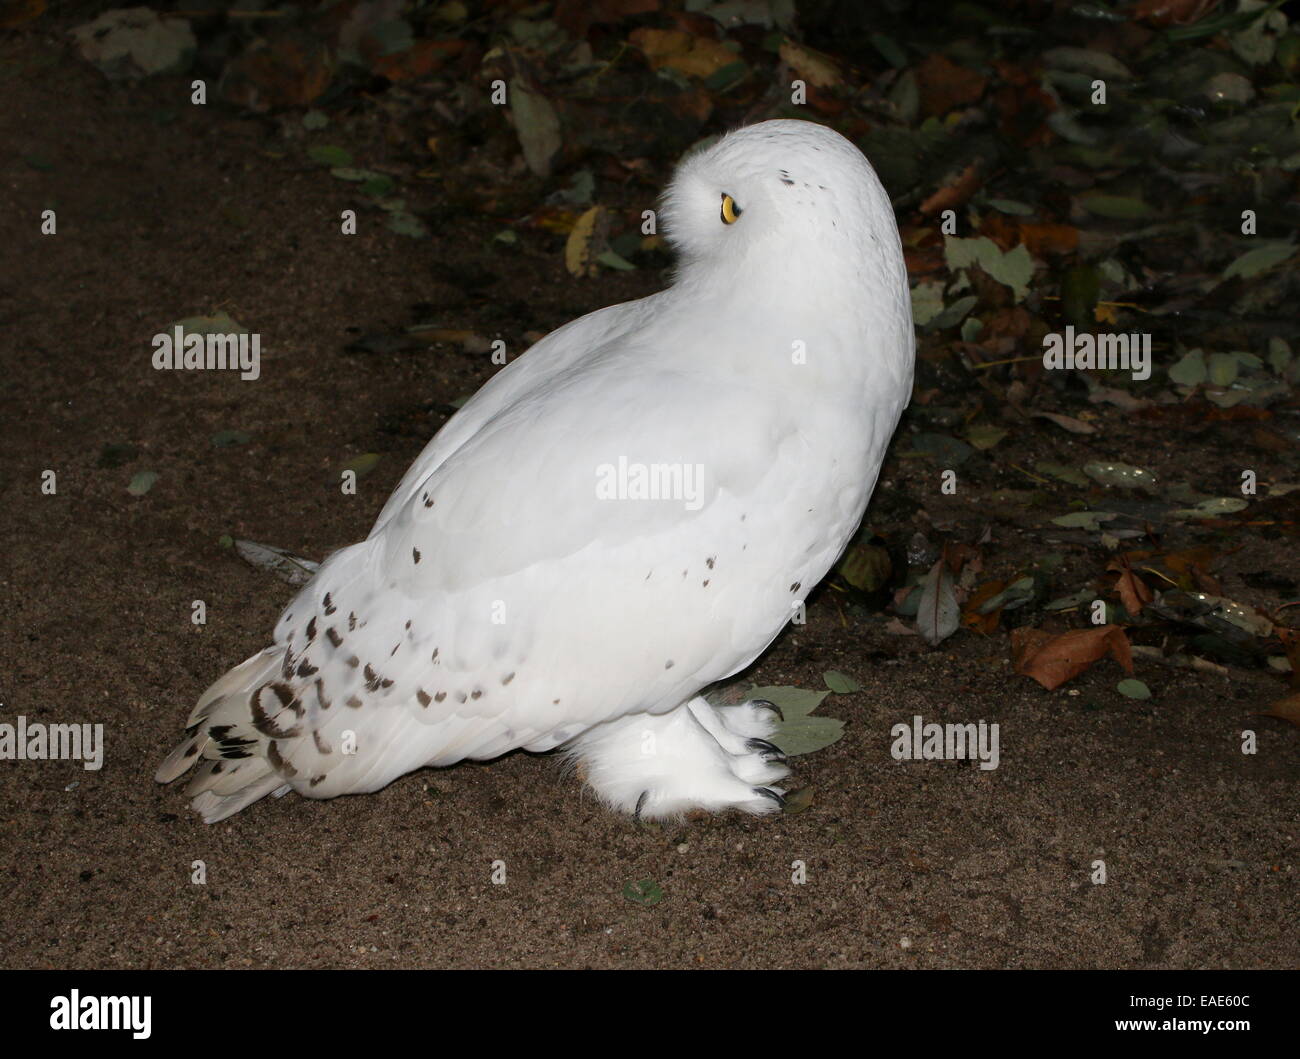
{"x":1285,"y":709}
{"x":937,"y":615}
{"x":945,"y":85}
{"x":1133,"y":591}
{"x":1074,"y":426}
{"x":818,"y":69}
{"x":537,"y":126}
{"x":585,"y":244}
{"x":1053,"y":658}
{"x":678,"y":50}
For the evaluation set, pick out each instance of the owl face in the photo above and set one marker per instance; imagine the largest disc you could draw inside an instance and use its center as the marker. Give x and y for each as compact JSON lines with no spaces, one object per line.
{"x":771,"y":189}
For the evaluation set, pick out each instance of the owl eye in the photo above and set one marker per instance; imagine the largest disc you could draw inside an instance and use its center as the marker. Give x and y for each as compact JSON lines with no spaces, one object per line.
{"x":730,"y":211}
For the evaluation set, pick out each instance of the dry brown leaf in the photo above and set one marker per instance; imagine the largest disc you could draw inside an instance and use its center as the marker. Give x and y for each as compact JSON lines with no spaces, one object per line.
{"x":1074,"y":426}
{"x":1133,"y":591}
{"x":814,"y":67}
{"x":1285,"y":709}
{"x":1291,"y":644}
{"x":584,"y":244}
{"x":956,"y":193}
{"x":1053,"y":658}
{"x":13,"y":13}
{"x":680,"y":51}
{"x":945,"y":85}
{"x":970,"y":615}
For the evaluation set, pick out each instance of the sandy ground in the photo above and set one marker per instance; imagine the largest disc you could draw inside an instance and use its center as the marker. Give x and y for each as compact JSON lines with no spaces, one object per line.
{"x":908,"y":864}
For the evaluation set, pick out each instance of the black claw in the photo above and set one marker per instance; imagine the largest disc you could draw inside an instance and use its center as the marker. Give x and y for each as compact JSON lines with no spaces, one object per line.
{"x":770,"y":751}
{"x":770,"y":705}
{"x":767,"y":791}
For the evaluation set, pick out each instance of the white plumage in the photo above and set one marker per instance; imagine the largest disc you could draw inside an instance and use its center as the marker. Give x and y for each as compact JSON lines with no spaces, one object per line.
{"x":505,"y":599}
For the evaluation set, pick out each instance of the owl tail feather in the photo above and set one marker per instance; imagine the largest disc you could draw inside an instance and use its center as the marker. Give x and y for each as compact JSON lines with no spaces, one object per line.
{"x":234,"y":770}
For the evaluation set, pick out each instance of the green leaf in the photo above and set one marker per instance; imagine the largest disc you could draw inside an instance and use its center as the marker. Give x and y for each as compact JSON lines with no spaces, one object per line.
{"x":363,"y":464}
{"x":1087,"y":520}
{"x":792,"y":702}
{"x":1213,"y":508}
{"x":1011,"y":206}
{"x":727,"y":77}
{"x":1190,"y":370}
{"x":840,"y":683}
{"x":806,"y":735}
{"x":616,"y":261}
{"x":1133,"y":689}
{"x":865,"y":566}
{"x":142,"y":482}
{"x":1222,"y":369}
{"x":1120,"y":475}
{"x":945,"y":450}
{"x":1061,"y":471}
{"x":1012,"y":268}
{"x":984,"y":435}
{"x":645,"y":892}
{"x":329,"y":155}
{"x":407,"y":224}
{"x":1115,"y":207}
{"x":1253,"y":262}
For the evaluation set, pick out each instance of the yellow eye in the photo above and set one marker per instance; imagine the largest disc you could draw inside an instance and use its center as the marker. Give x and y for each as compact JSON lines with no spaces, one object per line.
{"x":730,"y":211}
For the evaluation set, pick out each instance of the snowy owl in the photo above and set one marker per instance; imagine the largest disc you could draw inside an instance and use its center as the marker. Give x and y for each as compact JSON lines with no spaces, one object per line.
{"x":626,"y":514}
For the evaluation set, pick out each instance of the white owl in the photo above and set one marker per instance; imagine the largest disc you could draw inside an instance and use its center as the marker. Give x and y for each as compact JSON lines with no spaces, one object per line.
{"x":628,"y":513}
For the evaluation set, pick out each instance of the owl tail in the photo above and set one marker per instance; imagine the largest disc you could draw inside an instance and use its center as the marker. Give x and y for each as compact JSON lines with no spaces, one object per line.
{"x":234,"y":770}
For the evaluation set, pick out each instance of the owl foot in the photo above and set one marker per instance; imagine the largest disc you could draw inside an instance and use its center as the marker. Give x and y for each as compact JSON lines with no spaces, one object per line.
{"x":662,"y":766}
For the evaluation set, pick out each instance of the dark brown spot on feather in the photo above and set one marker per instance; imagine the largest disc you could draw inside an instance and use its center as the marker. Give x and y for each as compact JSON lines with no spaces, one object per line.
{"x":329,"y":604}
{"x":333,"y":636}
{"x":507,"y":678}
{"x":311,"y":629}
{"x":321,"y":746}
{"x":263,"y":722}
{"x":306,"y":669}
{"x":320,"y":694}
{"x":354,"y":702}
{"x":794,"y":587}
{"x":372,"y":678}
{"x":439,"y":696}
{"x":352,"y":620}
{"x":354,"y":661}
{"x":415,"y":554}
{"x":434,"y":657}
{"x":477,"y":693}
{"x":423,"y":696}
{"x":317,"y":779}
{"x":278,"y":763}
